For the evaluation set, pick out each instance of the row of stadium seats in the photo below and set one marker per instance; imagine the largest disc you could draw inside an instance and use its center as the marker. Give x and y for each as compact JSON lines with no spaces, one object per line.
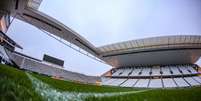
{"x":155,"y":71}
{"x":153,"y":83}
{"x":4,"y":58}
{"x":50,"y":70}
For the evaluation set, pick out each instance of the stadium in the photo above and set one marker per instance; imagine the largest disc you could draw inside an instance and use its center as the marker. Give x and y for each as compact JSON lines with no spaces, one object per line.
{"x":147,"y":69}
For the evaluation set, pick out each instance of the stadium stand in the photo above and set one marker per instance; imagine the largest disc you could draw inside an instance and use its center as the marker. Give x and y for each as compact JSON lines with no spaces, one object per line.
{"x":155,"y":71}
{"x":169,"y":82}
{"x":129,"y":83}
{"x":146,"y":71}
{"x":155,"y":83}
{"x":136,"y":71}
{"x":191,"y":81}
{"x":165,"y":70}
{"x":117,"y":82}
{"x":126,"y":72}
{"x":181,"y":82}
{"x":142,"y":83}
{"x":38,"y":66}
{"x":139,"y":55}
{"x":155,"y":76}
{"x":3,"y":53}
{"x":4,"y":58}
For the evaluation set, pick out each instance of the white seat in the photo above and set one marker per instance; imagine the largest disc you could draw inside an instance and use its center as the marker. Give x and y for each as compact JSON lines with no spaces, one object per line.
{"x":156,"y":71}
{"x":169,"y":82}
{"x":165,"y":70}
{"x":104,"y":79}
{"x":143,"y":83}
{"x":126,"y":72}
{"x":108,"y":82}
{"x":193,"y":71}
{"x":116,"y":82}
{"x":129,"y":83}
{"x":184,"y":70}
{"x":175,"y":70}
{"x":146,"y":71}
{"x":136,"y":72}
{"x":155,"y":83}
{"x":197,"y":78}
{"x":117,"y":73}
{"x":181,"y":82}
{"x":191,"y":81}
{"x":3,"y":52}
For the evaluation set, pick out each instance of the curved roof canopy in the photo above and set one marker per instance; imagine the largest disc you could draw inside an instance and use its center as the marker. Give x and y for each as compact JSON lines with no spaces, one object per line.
{"x":27,"y":11}
{"x":151,"y":43}
{"x":180,"y":49}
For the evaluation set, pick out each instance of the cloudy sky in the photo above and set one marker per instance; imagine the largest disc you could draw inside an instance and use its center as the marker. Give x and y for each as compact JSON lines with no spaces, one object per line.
{"x":107,"y":21}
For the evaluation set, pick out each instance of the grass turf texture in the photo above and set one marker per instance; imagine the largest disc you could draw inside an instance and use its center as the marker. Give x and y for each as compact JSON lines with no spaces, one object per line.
{"x":15,"y":86}
{"x":78,"y":87}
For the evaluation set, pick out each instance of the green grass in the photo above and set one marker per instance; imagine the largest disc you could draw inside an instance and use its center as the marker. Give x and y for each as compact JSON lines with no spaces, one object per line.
{"x":185,"y":94}
{"x":15,"y":86}
{"x":77,"y":87}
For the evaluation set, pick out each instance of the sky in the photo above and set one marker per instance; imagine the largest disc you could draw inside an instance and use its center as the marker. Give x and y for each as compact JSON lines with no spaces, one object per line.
{"x":107,"y":21}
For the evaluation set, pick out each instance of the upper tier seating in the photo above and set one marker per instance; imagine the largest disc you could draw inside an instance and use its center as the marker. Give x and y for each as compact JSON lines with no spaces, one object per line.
{"x":136,"y":72}
{"x":146,"y":71}
{"x":165,"y":70}
{"x":118,"y":72}
{"x":126,"y":72}
{"x":156,"y":71}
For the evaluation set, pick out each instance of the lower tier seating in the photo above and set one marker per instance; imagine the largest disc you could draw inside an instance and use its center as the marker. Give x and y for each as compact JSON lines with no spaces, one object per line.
{"x":40,"y":67}
{"x":154,"y":76}
{"x":154,"y":83}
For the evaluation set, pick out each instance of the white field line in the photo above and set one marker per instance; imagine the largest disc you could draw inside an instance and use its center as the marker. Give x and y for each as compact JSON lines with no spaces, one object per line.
{"x":52,"y":94}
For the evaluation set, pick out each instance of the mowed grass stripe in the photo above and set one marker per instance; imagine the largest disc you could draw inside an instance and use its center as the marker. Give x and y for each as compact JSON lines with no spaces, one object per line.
{"x":77,"y":87}
{"x":52,"y":94}
{"x":16,"y":86}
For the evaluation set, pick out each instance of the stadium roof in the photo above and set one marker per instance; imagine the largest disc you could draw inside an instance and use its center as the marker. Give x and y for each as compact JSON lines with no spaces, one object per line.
{"x":27,"y":11}
{"x":164,"y":50}
{"x":151,"y":43}
{"x":150,"y":51}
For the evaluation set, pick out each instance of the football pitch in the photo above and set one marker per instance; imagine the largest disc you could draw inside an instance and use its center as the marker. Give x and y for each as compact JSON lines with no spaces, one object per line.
{"x":18,"y":85}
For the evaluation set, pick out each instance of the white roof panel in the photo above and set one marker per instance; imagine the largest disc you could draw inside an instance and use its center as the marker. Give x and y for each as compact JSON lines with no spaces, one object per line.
{"x":156,"y":42}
